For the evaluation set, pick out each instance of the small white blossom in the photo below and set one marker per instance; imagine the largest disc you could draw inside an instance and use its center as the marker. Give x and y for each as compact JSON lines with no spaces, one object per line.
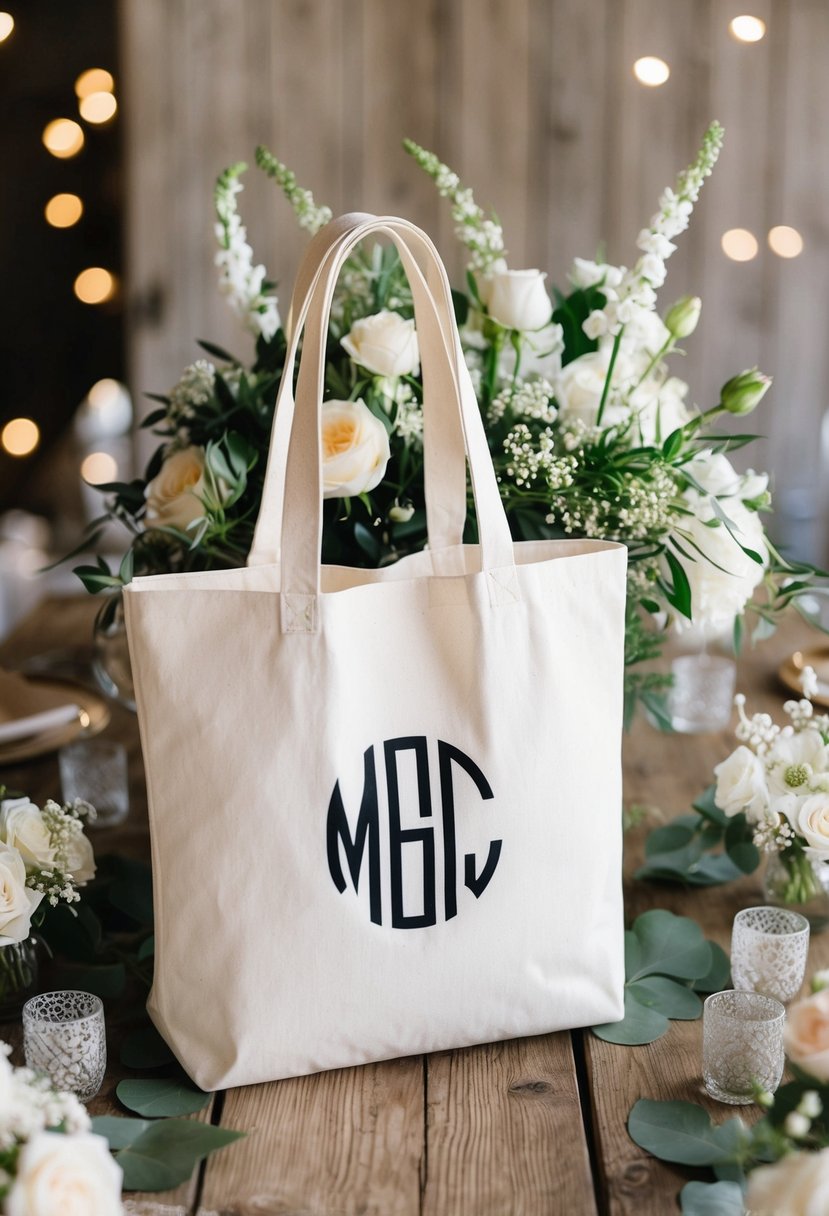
{"x":240,"y":281}
{"x":808,"y":682}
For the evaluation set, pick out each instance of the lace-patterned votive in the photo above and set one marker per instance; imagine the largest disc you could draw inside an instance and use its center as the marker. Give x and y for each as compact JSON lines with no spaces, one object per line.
{"x":702,"y":693}
{"x":65,"y":1038}
{"x":742,"y":1045}
{"x":768,"y":951}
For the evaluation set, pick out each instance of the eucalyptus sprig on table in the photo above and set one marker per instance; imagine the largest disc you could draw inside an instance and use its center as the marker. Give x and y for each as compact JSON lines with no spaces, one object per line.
{"x":703,"y":848}
{"x":668,"y":963}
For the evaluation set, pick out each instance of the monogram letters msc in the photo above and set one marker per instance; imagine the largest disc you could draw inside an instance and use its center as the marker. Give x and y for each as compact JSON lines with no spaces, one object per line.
{"x":363,"y":845}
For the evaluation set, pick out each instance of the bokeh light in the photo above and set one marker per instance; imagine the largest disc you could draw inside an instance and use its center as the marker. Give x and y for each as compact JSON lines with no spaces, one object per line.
{"x":6,"y":25}
{"x":98,"y":468}
{"x":20,"y":437}
{"x":63,"y":137}
{"x":63,"y":210}
{"x":747,"y":29}
{"x":651,"y":71}
{"x":785,"y":242}
{"x":97,"y":107}
{"x":94,"y":80}
{"x":739,"y":244}
{"x":95,"y":285}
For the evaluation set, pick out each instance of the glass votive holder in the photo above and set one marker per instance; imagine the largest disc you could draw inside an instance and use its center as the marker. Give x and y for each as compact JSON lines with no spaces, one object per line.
{"x":702,"y":693}
{"x":96,"y":771}
{"x":768,"y":951}
{"x":64,"y":1037}
{"x":742,"y":1045}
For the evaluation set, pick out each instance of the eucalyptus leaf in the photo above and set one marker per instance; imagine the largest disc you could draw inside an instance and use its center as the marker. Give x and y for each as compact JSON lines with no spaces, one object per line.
{"x":718,"y":976}
{"x":711,"y":1199}
{"x":163,"y":1096}
{"x":668,"y":838}
{"x":118,"y":1131}
{"x":166,"y":1153}
{"x":667,"y":997}
{"x":682,"y":1133}
{"x":145,"y":1048}
{"x":640,"y":1025}
{"x":707,"y":806}
{"x":671,"y":945}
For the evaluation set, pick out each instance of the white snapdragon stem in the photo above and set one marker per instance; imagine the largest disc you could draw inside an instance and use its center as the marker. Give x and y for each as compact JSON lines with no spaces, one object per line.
{"x":244,"y":284}
{"x":309,"y":215}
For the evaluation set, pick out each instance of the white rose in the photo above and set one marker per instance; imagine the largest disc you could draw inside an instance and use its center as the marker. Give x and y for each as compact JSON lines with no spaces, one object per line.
{"x":722,"y":576}
{"x":79,"y":859}
{"x":174,"y":495}
{"x":796,"y":1185}
{"x":59,"y":1175}
{"x":741,"y":785}
{"x":659,"y":408}
{"x":355,"y":449}
{"x":22,"y":826}
{"x":517,"y":299}
{"x":17,"y":902}
{"x":715,"y":473}
{"x":811,"y":820}
{"x":385,"y":344}
{"x":541,"y":353}
{"x":579,"y":387}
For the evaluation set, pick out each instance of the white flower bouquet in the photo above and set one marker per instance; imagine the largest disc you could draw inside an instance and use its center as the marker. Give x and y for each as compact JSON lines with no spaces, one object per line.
{"x":45,"y":857}
{"x":590,"y":432}
{"x":50,"y":1162}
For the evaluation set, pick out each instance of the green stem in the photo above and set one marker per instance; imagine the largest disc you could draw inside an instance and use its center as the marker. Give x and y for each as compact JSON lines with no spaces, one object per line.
{"x":665,"y":349}
{"x":617,"y":342}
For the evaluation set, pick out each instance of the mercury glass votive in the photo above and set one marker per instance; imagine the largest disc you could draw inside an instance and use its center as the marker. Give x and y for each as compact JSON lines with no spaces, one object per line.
{"x":768,"y":951}
{"x":742,"y":1045}
{"x":96,"y":771}
{"x":702,"y":692}
{"x":64,"y":1037}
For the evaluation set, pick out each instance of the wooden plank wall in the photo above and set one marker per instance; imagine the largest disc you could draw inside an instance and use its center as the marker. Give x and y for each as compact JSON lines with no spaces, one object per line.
{"x":535,"y":105}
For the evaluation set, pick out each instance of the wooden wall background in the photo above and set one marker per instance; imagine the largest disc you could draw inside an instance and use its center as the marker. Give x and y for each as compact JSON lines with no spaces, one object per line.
{"x":534,"y":103}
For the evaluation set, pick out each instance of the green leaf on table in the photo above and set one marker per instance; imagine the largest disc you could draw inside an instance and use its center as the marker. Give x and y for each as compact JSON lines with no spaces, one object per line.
{"x":740,"y":847}
{"x":667,"y":997}
{"x":682,"y":1133}
{"x":163,"y":1096}
{"x":672,"y":836}
{"x":730,"y":1171}
{"x":119,"y":1131}
{"x":145,"y":1048}
{"x":711,"y":1199}
{"x":718,"y":976}
{"x":706,"y":806}
{"x":671,"y":945}
{"x":640,"y":1025}
{"x":156,"y":1156}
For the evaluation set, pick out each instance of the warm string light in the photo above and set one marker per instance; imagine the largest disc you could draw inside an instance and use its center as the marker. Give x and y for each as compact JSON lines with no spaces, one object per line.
{"x":63,"y":137}
{"x":747,"y":29}
{"x":739,"y":244}
{"x":63,"y":210}
{"x":97,"y":107}
{"x":6,"y":25}
{"x":651,"y":71}
{"x":95,"y":285}
{"x":20,"y":437}
{"x":93,"y":80}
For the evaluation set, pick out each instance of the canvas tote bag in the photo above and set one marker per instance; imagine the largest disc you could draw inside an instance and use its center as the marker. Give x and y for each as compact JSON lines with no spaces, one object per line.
{"x":385,"y":805}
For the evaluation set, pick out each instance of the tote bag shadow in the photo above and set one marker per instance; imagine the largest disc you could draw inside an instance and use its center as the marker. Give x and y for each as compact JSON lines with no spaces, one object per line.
{"x":385,"y":805}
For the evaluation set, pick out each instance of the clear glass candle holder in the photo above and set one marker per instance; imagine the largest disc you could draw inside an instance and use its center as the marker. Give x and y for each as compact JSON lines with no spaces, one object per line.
{"x":64,"y":1036}
{"x":702,"y":693}
{"x":742,"y":1045}
{"x":96,"y":771}
{"x":768,"y":951}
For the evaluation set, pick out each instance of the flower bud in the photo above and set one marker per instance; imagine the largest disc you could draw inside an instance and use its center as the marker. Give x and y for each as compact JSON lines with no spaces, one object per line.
{"x":743,"y":393}
{"x":820,"y":980}
{"x":810,"y":1105}
{"x":682,"y":318}
{"x":796,"y":1125}
{"x":401,"y":513}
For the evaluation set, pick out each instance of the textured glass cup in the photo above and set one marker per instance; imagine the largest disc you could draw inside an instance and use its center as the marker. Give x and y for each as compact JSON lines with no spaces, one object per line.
{"x":742,"y":1045}
{"x":96,"y":771}
{"x":64,"y":1037}
{"x":702,"y":693}
{"x":768,"y":951}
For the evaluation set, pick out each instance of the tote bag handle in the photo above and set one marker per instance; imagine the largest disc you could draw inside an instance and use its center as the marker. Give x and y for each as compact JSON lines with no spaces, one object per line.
{"x":444,"y":456}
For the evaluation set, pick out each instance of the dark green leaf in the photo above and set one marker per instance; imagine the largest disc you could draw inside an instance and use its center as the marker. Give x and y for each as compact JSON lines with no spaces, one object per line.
{"x":639,"y":1025}
{"x":673,"y":443}
{"x":679,"y":595}
{"x":145,"y":1048}
{"x":671,"y":945}
{"x":707,"y":806}
{"x":718,"y":975}
{"x":682,"y":1132}
{"x":668,"y":838}
{"x":131,"y":889}
{"x":218,"y":352}
{"x":147,"y":948}
{"x":163,"y":1096}
{"x":667,"y":997}
{"x":740,"y":847}
{"x":119,"y":1131}
{"x":165,"y":1154}
{"x":153,"y":417}
{"x":108,"y":980}
{"x":367,"y":541}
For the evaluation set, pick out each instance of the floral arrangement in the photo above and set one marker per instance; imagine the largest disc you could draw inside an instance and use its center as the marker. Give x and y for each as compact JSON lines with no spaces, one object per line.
{"x":45,"y":857}
{"x":778,"y":1167}
{"x":771,"y":797}
{"x":50,"y":1161}
{"x":590,"y":432}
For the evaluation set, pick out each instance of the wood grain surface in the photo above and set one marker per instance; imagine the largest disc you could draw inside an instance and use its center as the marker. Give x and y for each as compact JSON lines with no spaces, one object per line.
{"x":533,"y":1127}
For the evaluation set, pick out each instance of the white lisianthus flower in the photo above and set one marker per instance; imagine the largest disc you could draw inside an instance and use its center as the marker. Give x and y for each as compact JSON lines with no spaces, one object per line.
{"x":385,"y":344}
{"x":741,"y":785}
{"x":517,"y":299}
{"x":22,"y":827}
{"x":174,"y":496}
{"x":17,"y":902}
{"x":796,"y":763}
{"x":796,"y":1185}
{"x":59,"y":1175}
{"x":355,"y":449}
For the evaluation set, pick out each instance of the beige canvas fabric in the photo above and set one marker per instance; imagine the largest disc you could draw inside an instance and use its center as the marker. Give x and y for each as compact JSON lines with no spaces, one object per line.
{"x":385,"y":804}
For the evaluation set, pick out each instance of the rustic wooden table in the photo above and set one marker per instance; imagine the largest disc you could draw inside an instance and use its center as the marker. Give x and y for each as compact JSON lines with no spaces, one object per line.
{"x":534,"y":1127}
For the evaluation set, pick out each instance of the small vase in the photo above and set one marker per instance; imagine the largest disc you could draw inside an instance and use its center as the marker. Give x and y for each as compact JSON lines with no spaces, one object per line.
{"x":111,"y":656}
{"x":19,"y":971}
{"x":801,"y":883}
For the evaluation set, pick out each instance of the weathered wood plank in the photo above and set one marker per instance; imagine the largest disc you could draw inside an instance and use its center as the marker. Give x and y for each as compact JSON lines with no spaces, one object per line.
{"x":504,"y":1132}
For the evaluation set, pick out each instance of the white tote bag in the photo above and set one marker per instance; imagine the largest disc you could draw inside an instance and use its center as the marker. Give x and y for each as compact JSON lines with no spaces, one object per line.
{"x":385,"y":805}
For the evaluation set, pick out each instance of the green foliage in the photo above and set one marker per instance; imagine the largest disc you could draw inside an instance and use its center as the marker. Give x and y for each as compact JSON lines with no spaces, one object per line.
{"x":682,"y":1133}
{"x":156,"y":1156}
{"x":155,"y":1097}
{"x":702,"y":849}
{"x":667,"y":962}
{"x":711,"y":1199}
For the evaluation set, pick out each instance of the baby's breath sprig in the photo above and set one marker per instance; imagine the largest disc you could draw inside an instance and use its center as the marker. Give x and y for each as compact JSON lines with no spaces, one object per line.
{"x":483,"y":237}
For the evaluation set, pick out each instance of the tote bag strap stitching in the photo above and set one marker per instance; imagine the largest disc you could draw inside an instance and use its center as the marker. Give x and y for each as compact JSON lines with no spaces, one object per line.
{"x":444,"y":465}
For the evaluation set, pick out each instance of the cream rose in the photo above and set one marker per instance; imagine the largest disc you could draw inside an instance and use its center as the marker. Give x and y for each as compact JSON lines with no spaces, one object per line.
{"x":59,"y":1175}
{"x":517,"y":299}
{"x":797,"y":1185}
{"x":79,"y":859}
{"x":810,"y":817}
{"x":385,"y":344}
{"x":174,"y":495}
{"x":17,"y":902}
{"x":355,"y":449}
{"x":741,"y":785}
{"x":806,"y":1034}
{"x":22,"y":826}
